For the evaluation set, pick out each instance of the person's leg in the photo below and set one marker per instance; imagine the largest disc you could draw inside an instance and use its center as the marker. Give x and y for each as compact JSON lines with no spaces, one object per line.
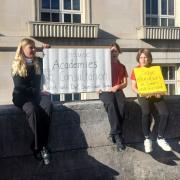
{"x":46,"y":115}
{"x":110,"y":105}
{"x":120,"y":104}
{"x":146,"y":114}
{"x":32,"y":114}
{"x":108,"y":98}
{"x":164,"y":114}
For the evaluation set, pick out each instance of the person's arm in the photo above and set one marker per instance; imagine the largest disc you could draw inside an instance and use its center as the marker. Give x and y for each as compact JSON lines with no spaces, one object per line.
{"x":120,"y":86}
{"x":134,"y":86}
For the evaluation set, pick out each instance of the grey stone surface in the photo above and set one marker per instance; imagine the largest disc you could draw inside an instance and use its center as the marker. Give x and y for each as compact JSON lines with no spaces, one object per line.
{"x":81,"y":148}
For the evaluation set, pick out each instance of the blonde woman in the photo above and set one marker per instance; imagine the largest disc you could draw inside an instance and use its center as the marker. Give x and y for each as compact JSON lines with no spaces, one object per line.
{"x":26,"y":74}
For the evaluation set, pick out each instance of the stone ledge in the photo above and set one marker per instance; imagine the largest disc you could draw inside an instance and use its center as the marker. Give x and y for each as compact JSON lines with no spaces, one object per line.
{"x":78,"y":125}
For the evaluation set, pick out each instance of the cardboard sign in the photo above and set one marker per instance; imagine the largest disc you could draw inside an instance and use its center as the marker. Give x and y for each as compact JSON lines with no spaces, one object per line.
{"x":75,"y":70}
{"x":150,"y":80}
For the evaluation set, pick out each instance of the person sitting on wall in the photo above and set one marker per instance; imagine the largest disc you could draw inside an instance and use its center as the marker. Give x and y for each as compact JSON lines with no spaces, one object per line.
{"x":27,"y":95}
{"x":144,"y":58}
{"x":114,"y":99}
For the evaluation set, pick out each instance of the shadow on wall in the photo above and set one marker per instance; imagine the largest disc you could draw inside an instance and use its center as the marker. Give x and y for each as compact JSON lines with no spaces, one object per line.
{"x":134,"y":132}
{"x":164,"y":45}
{"x":70,"y":147}
{"x":69,"y":160}
{"x":104,"y":39}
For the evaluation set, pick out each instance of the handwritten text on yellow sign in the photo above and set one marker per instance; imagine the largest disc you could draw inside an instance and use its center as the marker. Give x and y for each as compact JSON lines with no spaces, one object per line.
{"x":150,"y":80}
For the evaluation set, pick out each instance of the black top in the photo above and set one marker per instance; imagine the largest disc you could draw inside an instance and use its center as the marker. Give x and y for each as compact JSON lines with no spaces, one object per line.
{"x":27,"y":88}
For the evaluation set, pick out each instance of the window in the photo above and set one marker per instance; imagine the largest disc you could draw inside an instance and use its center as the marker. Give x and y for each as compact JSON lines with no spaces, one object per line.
{"x":66,"y":11}
{"x":169,"y":74}
{"x":159,"y":13}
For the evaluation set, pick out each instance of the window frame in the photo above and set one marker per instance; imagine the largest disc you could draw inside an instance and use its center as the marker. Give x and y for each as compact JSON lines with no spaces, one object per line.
{"x":159,"y":16}
{"x":61,"y":11}
{"x":169,"y":81}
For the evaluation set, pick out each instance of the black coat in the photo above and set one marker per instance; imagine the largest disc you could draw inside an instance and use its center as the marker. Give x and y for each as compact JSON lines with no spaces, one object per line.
{"x":27,"y":88}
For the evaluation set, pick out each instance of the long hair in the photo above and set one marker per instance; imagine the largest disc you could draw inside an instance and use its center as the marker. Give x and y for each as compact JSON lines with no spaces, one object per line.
{"x":19,"y":66}
{"x":147,"y":53}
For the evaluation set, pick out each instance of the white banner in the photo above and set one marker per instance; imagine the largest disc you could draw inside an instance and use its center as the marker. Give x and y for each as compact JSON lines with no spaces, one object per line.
{"x":76,"y":70}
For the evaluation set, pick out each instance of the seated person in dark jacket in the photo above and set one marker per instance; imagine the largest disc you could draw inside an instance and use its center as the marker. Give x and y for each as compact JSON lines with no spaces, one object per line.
{"x":26,"y":73}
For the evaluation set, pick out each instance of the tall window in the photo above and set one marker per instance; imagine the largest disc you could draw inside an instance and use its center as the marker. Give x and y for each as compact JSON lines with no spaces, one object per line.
{"x":169,"y":74}
{"x":159,"y":13}
{"x":66,"y":11}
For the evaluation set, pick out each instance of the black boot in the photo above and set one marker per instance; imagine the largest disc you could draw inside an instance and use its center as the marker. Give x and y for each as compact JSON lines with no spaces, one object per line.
{"x":119,"y":142}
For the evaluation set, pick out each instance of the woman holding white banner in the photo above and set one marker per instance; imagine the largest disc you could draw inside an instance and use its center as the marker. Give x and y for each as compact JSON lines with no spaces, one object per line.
{"x":144,"y":58}
{"x":27,"y":95}
{"x":114,"y":99}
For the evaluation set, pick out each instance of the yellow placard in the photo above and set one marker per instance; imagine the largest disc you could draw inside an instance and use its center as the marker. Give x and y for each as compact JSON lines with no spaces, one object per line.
{"x":150,"y":80}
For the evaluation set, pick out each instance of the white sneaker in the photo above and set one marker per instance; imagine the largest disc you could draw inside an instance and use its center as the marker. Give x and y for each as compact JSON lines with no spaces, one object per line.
{"x":163,"y":144}
{"x":148,"y":145}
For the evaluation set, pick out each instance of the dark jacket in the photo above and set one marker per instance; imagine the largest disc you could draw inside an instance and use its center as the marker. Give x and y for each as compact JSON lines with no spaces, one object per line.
{"x":27,"y":88}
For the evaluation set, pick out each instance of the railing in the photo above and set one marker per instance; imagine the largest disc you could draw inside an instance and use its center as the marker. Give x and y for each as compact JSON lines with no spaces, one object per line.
{"x":171,"y":33}
{"x":62,"y":30}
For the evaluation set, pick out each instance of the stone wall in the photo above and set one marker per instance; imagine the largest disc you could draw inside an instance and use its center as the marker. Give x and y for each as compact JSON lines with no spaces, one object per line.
{"x":81,"y":148}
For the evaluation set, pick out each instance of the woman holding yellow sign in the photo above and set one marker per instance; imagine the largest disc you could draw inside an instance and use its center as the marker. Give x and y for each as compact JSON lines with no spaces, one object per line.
{"x":150,"y":93}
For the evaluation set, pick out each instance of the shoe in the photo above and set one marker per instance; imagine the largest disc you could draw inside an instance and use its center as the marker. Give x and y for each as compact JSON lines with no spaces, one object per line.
{"x":45,"y":156}
{"x":148,"y":145}
{"x":163,"y":144}
{"x":119,"y":143}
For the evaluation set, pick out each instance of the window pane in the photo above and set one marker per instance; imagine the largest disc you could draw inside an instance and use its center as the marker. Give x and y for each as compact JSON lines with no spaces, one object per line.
{"x":171,"y":73}
{"x":154,"y":21}
{"x":148,"y":21}
{"x":54,"y":4}
{"x":148,"y":6}
{"x":171,"y":7}
{"x":171,"y":22}
{"x":171,"y":89}
{"x":163,"y":21}
{"x":45,"y":16}
{"x":165,"y":72}
{"x":68,"y":97}
{"x":46,"y":4}
{"x":67,"y":4}
{"x":76,"y":4}
{"x":77,"y":96}
{"x":76,"y":18}
{"x":55,"y":17}
{"x":163,"y":7}
{"x":67,"y":17}
{"x":154,"y":7}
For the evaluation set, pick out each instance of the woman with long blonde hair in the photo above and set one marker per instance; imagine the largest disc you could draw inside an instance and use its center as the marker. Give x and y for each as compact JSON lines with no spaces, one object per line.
{"x":26,"y":74}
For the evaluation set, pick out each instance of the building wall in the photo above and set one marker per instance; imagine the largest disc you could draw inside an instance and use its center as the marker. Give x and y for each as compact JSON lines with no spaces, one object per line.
{"x":118,"y":20}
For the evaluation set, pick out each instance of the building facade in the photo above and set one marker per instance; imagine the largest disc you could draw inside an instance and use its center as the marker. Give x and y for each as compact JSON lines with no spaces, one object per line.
{"x":133,"y":24}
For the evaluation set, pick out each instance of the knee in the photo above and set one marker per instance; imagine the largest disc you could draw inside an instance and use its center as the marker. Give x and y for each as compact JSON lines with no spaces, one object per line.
{"x":111,"y":106}
{"x":145,"y":112}
{"x":29,"y":108}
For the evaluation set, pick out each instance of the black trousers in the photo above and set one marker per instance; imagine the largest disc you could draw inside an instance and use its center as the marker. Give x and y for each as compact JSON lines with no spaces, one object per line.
{"x":114,"y":104}
{"x":38,"y":117}
{"x":147,"y":105}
